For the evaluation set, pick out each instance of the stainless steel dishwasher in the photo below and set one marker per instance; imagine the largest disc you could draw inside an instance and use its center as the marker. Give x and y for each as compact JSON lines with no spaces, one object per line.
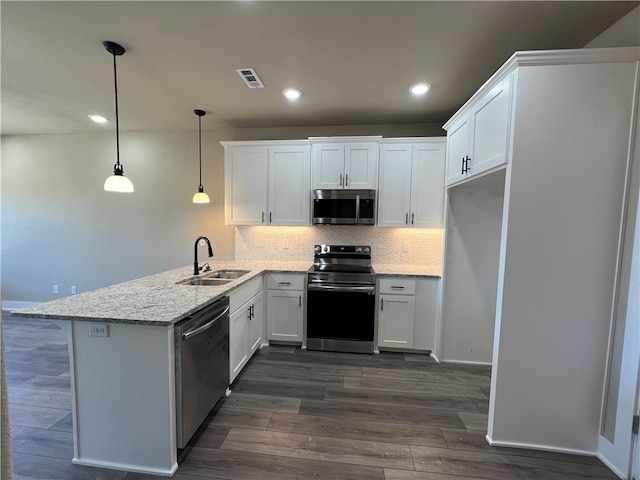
{"x":202,"y":366}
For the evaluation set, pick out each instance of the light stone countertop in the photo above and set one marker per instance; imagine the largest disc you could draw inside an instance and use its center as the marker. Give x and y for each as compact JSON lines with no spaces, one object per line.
{"x":158,"y":300}
{"x":407,"y":270}
{"x":155,"y":299}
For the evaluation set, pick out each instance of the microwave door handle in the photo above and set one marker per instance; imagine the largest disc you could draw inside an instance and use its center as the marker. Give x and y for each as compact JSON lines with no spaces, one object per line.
{"x":357,"y":208}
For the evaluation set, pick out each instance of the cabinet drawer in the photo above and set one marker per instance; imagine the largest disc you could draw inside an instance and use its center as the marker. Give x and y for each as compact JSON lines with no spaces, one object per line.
{"x":245,"y":293}
{"x":397,"y":286}
{"x":285,"y":281}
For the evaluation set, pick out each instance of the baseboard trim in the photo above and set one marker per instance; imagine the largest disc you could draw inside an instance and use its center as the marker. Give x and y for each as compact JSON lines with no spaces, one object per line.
{"x":612,"y":467}
{"x":544,"y":448}
{"x":10,"y":305}
{"x":127,"y":468}
{"x":465,"y":362}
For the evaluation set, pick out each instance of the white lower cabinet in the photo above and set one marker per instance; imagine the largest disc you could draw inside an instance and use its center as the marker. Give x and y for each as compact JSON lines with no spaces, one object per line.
{"x":408,"y":312}
{"x":246,"y":325}
{"x":396,"y":312}
{"x":285,"y":307}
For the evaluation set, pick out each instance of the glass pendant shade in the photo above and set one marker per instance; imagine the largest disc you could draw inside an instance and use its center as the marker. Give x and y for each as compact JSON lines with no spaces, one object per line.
{"x":201,"y":197}
{"x":118,"y":183}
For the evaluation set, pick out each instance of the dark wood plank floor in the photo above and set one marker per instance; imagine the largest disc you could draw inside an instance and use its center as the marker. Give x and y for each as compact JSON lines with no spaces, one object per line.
{"x":294,"y":415}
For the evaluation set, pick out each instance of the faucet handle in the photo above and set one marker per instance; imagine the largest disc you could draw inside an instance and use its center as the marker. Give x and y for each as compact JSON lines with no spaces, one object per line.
{"x":206,"y":267}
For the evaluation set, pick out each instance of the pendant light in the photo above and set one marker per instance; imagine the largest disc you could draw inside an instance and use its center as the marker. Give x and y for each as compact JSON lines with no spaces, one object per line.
{"x":116,"y":182}
{"x":200,"y":196}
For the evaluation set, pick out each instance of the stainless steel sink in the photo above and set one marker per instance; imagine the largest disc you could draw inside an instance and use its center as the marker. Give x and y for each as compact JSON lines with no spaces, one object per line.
{"x":227,"y":274}
{"x":219,"y":277}
{"x":212,"y":282}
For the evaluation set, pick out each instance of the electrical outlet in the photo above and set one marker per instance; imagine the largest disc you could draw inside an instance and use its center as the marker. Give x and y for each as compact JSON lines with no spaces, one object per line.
{"x":55,"y":289}
{"x":98,"y":330}
{"x":74,"y":290}
{"x":405,"y":247}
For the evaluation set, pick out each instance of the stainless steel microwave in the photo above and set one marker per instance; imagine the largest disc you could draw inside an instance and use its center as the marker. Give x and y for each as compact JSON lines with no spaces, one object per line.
{"x":344,"y":207}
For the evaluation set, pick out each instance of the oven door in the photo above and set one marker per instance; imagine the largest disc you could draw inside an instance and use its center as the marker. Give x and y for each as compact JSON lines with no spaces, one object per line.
{"x":341,"y":317}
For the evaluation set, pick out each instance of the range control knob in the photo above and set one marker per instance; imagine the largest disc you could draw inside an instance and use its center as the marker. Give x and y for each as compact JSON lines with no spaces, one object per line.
{"x":367,"y":250}
{"x":317,"y":249}
{"x":325,"y":249}
{"x":358,"y":249}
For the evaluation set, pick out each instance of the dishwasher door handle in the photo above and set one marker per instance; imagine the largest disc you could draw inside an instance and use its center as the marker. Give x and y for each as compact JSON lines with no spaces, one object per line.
{"x":206,"y":326}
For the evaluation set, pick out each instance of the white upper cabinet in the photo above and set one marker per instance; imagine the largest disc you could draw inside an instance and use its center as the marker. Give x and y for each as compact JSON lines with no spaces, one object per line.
{"x":345,"y":163}
{"x":289,"y":168}
{"x":477,"y":140}
{"x":245,"y":172}
{"x":267,"y":183}
{"x":411,"y":186}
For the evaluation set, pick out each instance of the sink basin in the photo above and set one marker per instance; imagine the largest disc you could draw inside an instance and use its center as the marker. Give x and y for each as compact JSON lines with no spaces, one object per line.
{"x":212,"y":282}
{"x":219,"y":277}
{"x":227,"y":274}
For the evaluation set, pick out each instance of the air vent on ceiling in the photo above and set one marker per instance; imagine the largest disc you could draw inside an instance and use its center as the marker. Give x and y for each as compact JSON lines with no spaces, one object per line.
{"x":250,"y":77}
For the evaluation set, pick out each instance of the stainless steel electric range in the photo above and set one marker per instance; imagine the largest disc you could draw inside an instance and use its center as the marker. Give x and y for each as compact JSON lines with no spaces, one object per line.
{"x":341,"y":299}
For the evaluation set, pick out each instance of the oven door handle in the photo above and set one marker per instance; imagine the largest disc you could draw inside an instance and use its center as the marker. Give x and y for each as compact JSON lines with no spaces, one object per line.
{"x":206,"y":326}
{"x":342,"y":288}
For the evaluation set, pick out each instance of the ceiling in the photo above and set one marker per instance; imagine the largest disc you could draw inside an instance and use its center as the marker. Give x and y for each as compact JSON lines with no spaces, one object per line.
{"x":353,"y":61}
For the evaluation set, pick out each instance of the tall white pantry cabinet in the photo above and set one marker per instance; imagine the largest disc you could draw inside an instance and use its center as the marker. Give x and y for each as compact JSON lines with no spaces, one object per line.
{"x":535,"y":237}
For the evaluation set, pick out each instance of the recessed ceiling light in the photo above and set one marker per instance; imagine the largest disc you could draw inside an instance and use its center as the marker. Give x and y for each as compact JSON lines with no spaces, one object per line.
{"x":98,"y":118}
{"x":420,"y":88}
{"x":291,"y":93}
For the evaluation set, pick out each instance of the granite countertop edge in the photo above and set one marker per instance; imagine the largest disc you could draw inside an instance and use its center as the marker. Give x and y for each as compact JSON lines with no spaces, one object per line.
{"x":158,"y":300}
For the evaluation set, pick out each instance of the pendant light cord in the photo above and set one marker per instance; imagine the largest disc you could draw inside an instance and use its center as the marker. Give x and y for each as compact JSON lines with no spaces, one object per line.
{"x":200,"y":147}
{"x":115,"y":83}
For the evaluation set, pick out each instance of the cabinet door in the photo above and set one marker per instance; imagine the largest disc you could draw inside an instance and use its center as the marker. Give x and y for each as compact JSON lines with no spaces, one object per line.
{"x":395,"y":321}
{"x":457,"y":149}
{"x":289,"y":168}
{"x":361,"y":166}
{"x":238,"y":341}
{"x":394,"y":196}
{"x":284,"y":315}
{"x":256,"y":323}
{"x":245,"y":172}
{"x":490,"y":120}
{"x":427,"y":185}
{"x":328,"y":165}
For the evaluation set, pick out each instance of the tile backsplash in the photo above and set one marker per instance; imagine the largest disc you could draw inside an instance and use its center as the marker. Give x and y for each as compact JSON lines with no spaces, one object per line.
{"x":402,"y":246}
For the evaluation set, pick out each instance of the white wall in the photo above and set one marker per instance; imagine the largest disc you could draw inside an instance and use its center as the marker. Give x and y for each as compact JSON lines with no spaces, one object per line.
{"x":60,"y":227}
{"x":474,"y":225}
{"x":624,"y":33}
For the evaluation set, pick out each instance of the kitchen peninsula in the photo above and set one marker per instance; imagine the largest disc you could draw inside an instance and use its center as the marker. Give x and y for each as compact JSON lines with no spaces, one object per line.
{"x":123,"y":384}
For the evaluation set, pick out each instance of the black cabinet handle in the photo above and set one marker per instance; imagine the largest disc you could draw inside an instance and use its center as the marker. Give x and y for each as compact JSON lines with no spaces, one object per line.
{"x":465,"y":164}
{"x":346,"y":180}
{"x":412,"y":216}
{"x":270,"y":217}
{"x":262,"y":217}
{"x":382,"y":304}
{"x":397,"y":288}
{"x":406,"y":219}
{"x":299,"y":301}
{"x":462,"y":172}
